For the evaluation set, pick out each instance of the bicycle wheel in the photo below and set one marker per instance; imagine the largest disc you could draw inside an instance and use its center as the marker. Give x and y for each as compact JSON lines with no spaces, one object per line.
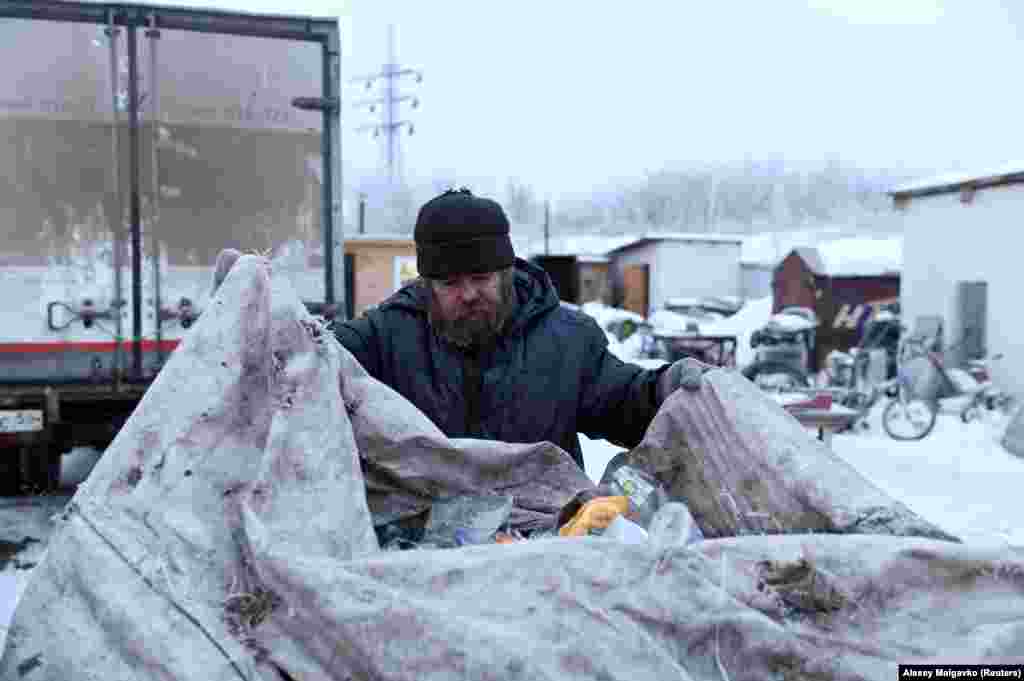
{"x":913,"y":419}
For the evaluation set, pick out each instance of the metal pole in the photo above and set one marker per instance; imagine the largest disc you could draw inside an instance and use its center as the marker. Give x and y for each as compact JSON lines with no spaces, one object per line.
{"x":389,"y":107}
{"x":547,"y":225}
{"x":154,"y":121}
{"x":333,"y":225}
{"x":117,"y":218}
{"x":134,"y":207}
{"x":362,"y":213}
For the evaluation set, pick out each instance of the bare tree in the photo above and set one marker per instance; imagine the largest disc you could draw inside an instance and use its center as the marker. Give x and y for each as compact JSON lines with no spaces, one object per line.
{"x":520,"y":202}
{"x":748,"y":194}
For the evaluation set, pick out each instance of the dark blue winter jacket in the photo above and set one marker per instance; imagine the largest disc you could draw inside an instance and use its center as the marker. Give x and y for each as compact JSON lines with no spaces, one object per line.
{"x":548,"y":377}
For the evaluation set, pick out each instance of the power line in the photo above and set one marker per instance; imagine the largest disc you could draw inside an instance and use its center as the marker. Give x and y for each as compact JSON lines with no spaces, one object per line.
{"x":389,"y":125}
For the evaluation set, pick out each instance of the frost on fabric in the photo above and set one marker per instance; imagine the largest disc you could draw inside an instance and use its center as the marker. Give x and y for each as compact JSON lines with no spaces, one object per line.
{"x":746,"y":466}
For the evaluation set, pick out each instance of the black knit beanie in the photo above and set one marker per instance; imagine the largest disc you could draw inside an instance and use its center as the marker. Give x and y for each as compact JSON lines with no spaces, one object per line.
{"x":459,"y":233}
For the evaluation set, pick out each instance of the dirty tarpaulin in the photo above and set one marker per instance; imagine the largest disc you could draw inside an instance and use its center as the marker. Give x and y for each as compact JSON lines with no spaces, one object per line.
{"x":226,"y":535}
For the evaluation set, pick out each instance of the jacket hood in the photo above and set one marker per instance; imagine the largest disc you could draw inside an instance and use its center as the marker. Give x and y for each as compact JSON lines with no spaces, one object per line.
{"x":535,"y":296}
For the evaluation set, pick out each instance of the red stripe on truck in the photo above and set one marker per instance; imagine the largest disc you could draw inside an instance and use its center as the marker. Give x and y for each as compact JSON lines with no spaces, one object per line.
{"x":85,"y":346}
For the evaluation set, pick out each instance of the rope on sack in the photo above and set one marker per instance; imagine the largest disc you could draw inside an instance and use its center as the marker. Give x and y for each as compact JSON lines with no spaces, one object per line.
{"x":184,"y":613}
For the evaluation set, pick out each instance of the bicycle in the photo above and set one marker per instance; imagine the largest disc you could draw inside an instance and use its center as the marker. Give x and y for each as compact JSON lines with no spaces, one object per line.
{"x":845,"y":377}
{"x":904,"y":406}
{"x":987,"y":394}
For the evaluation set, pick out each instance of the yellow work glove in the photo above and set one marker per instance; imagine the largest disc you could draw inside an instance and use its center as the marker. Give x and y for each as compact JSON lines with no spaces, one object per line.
{"x":596,"y":514}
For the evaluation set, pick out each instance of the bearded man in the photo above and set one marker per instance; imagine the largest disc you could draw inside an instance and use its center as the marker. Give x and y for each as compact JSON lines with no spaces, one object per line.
{"x":481,"y":344}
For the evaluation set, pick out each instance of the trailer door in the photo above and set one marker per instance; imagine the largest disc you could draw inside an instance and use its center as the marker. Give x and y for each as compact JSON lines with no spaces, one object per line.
{"x":140,"y":141}
{"x":59,"y":202}
{"x":228,"y":162}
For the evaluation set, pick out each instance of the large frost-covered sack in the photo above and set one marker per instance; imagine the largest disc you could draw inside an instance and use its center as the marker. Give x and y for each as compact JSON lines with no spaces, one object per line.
{"x":226,"y":534}
{"x":744,"y":465}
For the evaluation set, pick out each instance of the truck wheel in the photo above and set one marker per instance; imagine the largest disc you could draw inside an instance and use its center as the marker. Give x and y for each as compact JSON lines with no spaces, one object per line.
{"x":10,"y":471}
{"x":34,"y":464}
{"x":38,"y":467}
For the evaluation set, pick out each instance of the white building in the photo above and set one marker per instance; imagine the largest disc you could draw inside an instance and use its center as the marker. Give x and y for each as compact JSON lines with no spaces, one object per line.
{"x":962,"y":261}
{"x":757,"y":265}
{"x":655,"y":267}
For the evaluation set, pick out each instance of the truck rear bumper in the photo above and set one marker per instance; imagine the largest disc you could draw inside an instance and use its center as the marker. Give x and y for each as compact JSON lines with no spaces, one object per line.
{"x":73,"y":414}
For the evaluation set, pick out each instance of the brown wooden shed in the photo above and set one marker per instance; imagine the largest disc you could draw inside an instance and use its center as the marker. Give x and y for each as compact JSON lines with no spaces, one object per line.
{"x":376,"y":265}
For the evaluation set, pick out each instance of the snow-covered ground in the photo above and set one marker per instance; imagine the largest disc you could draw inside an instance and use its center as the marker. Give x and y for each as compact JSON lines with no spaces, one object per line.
{"x":21,"y":518}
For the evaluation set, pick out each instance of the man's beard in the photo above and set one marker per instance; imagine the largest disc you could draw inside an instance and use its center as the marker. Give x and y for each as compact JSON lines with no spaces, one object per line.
{"x":475,"y":332}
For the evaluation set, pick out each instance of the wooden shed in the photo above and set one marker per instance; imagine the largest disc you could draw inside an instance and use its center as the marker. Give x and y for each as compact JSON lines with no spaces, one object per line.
{"x":846,"y":282}
{"x":376,"y":265}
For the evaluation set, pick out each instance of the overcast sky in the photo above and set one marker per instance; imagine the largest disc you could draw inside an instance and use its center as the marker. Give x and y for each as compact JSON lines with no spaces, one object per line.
{"x":572,"y":95}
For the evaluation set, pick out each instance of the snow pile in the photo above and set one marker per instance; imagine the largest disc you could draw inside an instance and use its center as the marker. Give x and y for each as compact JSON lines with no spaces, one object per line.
{"x":682,"y":302}
{"x":590,"y":245}
{"x":768,"y":248}
{"x":628,"y":350}
{"x":843,"y":253}
{"x":27,"y":524}
{"x":585,"y":245}
{"x":952,"y":179}
{"x":960,"y":477}
{"x":791,"y":323}
{"x":76,"y":465}
{"x":666,"y":322}
{"x":606,"y":316}
{"x":631,"y":349}
{"x":862,"y":257}
{"x":752,"y":316}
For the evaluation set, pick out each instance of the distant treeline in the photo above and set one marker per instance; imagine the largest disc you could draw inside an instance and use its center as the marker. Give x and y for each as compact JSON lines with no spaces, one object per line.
{"x":747,"y":196}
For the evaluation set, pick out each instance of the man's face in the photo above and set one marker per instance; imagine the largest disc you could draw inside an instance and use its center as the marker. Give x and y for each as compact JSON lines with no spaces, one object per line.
{"x":469,"y":310}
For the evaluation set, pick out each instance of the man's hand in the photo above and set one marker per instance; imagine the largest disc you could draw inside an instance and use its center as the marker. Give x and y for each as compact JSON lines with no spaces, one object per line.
{"x":686,"y":373}
{"x":226,"y":259}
